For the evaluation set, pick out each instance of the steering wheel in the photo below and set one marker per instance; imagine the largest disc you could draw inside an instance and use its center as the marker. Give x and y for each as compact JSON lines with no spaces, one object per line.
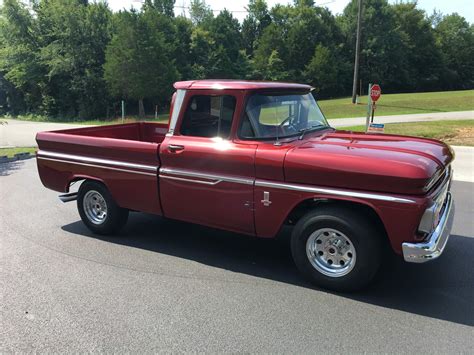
{"x":280,"y":126}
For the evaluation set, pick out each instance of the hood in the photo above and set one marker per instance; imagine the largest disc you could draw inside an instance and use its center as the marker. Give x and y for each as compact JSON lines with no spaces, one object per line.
{"x":362,"y":161}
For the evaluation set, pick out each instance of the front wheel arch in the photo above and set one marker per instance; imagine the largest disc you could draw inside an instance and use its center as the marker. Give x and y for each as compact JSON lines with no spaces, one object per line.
{"x":308,"y":205}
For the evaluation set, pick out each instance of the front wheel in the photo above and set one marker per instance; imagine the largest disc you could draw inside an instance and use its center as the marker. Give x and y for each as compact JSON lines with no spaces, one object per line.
{"x":98,"y":210}
{"x":337,"y":248}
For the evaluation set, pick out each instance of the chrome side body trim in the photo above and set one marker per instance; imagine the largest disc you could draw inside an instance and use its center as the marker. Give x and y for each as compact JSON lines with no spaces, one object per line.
{"x":328,"y":191}
{"x":82,"y":159}
{"x":214,"y":182}
{"x":97,"y":166}
{"x":435,"y":243}
{"x":192,"y":174}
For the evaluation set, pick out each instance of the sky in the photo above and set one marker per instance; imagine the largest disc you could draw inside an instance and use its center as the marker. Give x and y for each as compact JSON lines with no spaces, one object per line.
{"x":463,"y":7}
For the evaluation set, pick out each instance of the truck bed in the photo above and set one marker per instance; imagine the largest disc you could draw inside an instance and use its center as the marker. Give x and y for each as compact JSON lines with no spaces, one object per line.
{"x":123,"y":157}
{"x":140,"y":131}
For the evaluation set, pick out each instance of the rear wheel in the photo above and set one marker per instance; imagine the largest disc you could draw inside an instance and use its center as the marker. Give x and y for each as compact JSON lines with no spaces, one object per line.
{"x":98,"y":210}
{"x":337,"y":248}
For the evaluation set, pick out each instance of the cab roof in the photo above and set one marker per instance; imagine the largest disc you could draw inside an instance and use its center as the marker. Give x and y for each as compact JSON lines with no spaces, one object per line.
{"x":219,"y":84}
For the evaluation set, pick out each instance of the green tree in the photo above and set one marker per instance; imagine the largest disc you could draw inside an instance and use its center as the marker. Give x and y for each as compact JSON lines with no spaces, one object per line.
{"x":418,"y":44}
{"x":307,"y":3}
{"x":294,"y":33}
{"x":254,"y":24}
{"x":138,"y":64}
{"x":181,"y":47}
{"x":455,"y":39}
{"x":166,"y":7}
{"x":216,"y":48}
{"x":325,"y":72}
{"x":11,"y":100}
{"x":382,"y":52}
{"x":19,"y":54}
{"x":200,"y":12}
{"x":53,"y":54}
{"x":74,"y":37}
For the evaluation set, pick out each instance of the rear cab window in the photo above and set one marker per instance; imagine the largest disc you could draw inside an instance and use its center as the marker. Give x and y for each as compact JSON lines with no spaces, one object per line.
{"x":208,"y":116}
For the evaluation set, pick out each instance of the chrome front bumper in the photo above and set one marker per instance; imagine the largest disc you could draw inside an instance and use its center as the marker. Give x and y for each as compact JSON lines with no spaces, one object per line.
{"x":434,"y":245}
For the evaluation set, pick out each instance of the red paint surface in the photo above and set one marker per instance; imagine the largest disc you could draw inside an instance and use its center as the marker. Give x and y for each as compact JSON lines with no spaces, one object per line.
{"x":394,"y":165}
{"x":237,"y":85}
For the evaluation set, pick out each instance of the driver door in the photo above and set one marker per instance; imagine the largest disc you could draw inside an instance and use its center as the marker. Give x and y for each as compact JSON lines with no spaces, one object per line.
{"x":205,"y":177}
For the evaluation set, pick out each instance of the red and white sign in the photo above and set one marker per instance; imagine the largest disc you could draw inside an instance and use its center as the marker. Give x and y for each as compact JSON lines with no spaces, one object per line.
{"x":375,"y":92}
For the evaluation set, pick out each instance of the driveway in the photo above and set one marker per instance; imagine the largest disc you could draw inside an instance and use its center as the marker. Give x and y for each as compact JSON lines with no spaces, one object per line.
{"x":165,"y":286}
{"x":17,"y":133}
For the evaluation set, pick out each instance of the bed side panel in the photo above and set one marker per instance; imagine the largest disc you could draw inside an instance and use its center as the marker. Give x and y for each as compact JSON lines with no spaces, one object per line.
{"x":129,"y":169}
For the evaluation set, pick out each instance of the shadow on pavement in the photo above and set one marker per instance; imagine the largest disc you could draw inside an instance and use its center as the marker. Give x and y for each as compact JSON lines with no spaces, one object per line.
{"x":7,"y":168}
{"x":442,"y":289}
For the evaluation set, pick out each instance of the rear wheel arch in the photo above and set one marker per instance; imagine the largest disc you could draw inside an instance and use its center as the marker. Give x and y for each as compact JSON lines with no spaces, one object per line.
{"x":83,"y":178}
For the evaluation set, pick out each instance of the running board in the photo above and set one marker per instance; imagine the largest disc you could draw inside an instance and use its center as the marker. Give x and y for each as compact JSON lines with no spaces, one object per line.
{"x":68,"y":197}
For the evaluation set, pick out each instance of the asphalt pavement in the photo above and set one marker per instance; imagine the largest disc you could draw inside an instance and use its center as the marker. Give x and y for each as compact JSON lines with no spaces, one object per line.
{"x":167,"y":286}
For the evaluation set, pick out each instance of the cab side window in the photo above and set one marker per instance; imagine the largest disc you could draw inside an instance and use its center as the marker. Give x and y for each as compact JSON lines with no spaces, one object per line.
{"x":208,"y":116}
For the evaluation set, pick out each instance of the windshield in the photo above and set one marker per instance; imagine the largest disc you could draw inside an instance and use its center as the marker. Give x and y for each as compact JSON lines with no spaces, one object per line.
{"x":280,"y":116}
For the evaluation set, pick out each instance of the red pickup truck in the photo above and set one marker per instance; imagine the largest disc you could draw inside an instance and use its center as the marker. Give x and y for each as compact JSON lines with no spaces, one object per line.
{"x":252,"y":157}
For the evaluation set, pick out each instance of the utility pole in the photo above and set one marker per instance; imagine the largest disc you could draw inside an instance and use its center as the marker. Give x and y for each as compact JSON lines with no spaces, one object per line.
{"x":357,"y":54}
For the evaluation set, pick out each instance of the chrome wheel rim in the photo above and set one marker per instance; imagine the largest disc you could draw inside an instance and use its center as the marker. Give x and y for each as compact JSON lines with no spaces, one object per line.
{"x":331,"y":252}
{"x":95,"y":207}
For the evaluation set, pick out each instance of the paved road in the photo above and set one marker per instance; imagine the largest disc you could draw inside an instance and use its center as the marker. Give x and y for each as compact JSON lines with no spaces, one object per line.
{"x":417,"y":117}
{"x":17,"y":133}
{"x":169,"y":286}
{"x":22,"y":133}
{"x":463,"y":164}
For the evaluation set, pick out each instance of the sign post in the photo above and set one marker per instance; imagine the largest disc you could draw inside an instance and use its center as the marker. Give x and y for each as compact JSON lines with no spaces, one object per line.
{"x":369,"y":109}
{"x":374,"y":93}
{"x":123,"y":110}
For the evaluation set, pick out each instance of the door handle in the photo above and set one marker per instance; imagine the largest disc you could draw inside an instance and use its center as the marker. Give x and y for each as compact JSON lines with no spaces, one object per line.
{"x":173,"y":148}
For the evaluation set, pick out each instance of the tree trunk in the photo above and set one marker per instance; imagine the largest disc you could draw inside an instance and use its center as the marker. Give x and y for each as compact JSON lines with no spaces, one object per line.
{"x":141,"y":109}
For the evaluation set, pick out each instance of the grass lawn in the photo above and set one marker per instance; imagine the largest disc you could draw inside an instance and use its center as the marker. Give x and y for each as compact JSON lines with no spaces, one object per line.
{"x":128,"y":119}
{"x":452,"y":132}
{"x":161,"y":118}
{"x":10,"y":152}
{"x":400,"y":104}
{"x":388,"y":104}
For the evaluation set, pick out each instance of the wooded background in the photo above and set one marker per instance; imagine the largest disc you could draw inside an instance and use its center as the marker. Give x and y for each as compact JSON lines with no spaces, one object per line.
{"x":78,"y":59}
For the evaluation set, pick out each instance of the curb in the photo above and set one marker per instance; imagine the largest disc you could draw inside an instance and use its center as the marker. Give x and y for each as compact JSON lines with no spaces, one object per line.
{"x":19,"y":156}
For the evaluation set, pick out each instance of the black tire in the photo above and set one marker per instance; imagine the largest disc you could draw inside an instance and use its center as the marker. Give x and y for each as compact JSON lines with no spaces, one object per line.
{"x":365,"y":237}
{"x":115,"y":218}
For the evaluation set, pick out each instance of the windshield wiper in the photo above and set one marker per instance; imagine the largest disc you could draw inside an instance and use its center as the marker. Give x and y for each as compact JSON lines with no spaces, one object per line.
{"x":305,"y":130}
